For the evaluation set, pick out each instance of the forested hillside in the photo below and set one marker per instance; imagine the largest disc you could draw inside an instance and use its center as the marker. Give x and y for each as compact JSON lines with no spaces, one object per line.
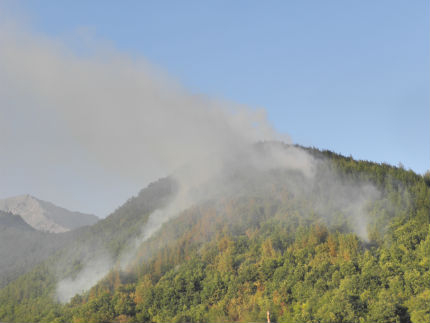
{"x":22,"y":247}
{"x":296,"y":250}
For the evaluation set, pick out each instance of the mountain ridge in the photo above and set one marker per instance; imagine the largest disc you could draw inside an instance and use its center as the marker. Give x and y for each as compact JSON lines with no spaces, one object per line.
{"x":45,"y":216}
{"x":10,"y":220}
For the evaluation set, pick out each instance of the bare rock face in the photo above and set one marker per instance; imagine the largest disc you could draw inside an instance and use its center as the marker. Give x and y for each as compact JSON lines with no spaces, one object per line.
{"x":45,"y":216}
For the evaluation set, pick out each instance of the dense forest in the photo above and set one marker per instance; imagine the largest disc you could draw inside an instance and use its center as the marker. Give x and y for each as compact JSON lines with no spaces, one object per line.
{"x":238,"y":256}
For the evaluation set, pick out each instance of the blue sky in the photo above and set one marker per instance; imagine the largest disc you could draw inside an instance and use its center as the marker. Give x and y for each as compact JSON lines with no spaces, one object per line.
{"x":348,"y":76}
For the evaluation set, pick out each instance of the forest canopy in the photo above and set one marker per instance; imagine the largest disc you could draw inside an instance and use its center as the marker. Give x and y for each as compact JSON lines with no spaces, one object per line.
{"x":235,"y":258}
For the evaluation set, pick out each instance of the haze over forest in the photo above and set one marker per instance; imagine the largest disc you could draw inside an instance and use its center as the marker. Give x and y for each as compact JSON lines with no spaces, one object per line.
{"x":208,"y":211}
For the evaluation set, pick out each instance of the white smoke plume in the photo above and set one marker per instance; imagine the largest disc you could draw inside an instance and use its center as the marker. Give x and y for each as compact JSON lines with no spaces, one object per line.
{"x":121,"y":111}
{"x":92,"y":271}
{"x":131,"y":119}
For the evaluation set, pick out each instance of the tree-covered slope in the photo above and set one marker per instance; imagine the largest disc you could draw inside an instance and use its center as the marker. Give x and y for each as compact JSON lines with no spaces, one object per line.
{"x":50,"y":257}
{"x":279,"y":243}
{"x":22,"y":247}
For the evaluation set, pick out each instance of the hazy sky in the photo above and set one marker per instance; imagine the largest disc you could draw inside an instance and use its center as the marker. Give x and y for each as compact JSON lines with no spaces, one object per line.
{"x":349,"y":76}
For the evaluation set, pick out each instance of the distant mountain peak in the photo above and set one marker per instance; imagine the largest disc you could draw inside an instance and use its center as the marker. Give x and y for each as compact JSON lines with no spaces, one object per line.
{"x":45,"y":216}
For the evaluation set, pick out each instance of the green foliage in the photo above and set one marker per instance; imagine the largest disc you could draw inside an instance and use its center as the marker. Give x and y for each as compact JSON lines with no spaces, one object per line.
{"x":235,"y":258}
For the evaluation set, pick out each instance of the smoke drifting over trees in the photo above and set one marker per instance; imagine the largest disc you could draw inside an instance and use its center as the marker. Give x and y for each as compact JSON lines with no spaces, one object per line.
{"x":129,"y":118}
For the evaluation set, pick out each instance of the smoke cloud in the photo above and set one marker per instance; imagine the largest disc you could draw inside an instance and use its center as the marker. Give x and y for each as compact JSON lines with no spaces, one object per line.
{"x":118,"y":111}
{"x":129,"y":118}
